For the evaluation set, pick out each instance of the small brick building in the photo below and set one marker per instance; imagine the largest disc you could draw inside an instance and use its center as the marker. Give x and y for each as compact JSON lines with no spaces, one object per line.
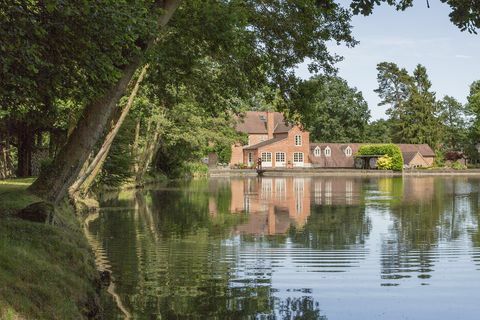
{"x":272,"y":139}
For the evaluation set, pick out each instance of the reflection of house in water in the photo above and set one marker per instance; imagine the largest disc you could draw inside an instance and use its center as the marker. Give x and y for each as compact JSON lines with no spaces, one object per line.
{"x":275,"y":203}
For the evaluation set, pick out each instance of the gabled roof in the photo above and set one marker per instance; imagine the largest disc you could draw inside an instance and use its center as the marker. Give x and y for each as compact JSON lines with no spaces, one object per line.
{"x":264,"y":143}
{"x":255,"y":122}
{"x":408,"y":156}
{"x":423,"y":149}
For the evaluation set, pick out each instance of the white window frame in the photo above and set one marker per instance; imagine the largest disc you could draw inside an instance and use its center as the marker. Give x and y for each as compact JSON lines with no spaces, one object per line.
{"x":348,"y":151}
{"x":280,"y":163}
{"x":265,"y":156}
{"x":317,"y":152}
{"x":328,"y":152}
{"x":298,"y":140}
{"x":298,"y":155}
{"x":250,"y":158}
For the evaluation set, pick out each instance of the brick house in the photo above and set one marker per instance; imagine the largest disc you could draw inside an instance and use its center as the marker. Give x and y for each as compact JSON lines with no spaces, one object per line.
{"x":283,"y":145}
{"x":271,"y":138}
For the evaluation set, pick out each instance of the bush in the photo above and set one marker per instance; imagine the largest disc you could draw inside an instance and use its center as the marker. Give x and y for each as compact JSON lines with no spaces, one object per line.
{"x":385,"y":162}
{"x":439,"y":159}
{"x":458,"y":166}
{"x":390,"y":150}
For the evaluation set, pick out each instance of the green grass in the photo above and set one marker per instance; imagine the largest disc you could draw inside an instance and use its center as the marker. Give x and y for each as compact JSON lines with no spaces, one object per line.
{"x":14,"y":195}
{"x":46,"y":271}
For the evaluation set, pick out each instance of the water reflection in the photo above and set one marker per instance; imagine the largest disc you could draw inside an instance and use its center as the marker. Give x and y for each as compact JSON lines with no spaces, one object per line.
{"x":296,"y":248}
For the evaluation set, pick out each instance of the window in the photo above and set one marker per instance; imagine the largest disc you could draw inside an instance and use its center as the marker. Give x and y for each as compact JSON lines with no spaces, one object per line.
{"x":298,"y":157}
{"x":250,"y":157}
{"x":328,"y":152}
{"x":280,"y":157}
{"x":266,"y":157}
{"x":298,"y":140}
{"x":348,"y":151}
{"x":317,"y":152}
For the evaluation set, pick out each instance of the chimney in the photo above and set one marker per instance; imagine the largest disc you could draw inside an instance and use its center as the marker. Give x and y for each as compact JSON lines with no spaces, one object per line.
{"x":270,"y":124}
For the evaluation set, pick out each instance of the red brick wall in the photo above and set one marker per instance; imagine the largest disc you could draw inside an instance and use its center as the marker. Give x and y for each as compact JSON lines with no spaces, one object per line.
{"x":237,"y":154}
{"x":288,"y":146}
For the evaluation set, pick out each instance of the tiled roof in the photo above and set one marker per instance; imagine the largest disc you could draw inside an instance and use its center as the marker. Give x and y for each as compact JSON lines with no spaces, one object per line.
{"x":264,"y":143}
{"x":256,"y":122}
{"x":423,"y":149}
{"x":338,"y":159}
{"x":408,"y":156}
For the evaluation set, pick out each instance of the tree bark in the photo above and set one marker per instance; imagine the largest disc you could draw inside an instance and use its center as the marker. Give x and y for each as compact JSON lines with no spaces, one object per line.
{"x":151,"y":149}
{"x":97,"y":162}
{"x":25,"y":139}
{"x":53,"y":184}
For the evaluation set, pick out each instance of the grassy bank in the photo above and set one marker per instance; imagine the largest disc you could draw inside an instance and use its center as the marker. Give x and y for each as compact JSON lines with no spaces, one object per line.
{"x":46,"y":271}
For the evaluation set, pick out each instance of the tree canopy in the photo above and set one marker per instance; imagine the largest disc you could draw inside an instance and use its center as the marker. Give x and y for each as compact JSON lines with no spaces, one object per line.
{"x":331,"y":110}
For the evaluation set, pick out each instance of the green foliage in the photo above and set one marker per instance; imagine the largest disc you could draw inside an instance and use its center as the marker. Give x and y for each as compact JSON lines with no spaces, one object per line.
{"x":192,"y":169}
{"x":331,"y":110}
{"x":414,"y":110}
{"x":473,"y":110}
{"x":378,"y":131}
{"x":118,"y":165}
{"x":390,"y":150}
{"x":465,"y":14}
{"x":439,"y":159}
{"x":453,"y":116}
{"x":458,"y":166}
{"x":385,"y":162}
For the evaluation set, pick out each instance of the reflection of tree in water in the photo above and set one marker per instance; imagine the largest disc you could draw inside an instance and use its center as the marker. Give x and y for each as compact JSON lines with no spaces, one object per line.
{"x":299,"y":308}
{"x":334,"y":227}
{"x":169,"y":265}
{"x":420,"y":222}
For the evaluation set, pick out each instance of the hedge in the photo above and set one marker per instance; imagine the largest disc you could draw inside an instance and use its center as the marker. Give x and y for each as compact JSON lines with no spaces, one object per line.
{"x":391,"y":150}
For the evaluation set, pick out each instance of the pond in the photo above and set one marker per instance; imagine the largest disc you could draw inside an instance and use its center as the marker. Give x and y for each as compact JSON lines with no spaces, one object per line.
{"x":294,"y":248}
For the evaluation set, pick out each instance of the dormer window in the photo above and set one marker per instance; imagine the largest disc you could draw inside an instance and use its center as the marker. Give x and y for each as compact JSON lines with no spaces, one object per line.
{"x":348,"y":151}
{"x":328,"y":152}
{"x":317,"y":152}
{"x":298,"y":140}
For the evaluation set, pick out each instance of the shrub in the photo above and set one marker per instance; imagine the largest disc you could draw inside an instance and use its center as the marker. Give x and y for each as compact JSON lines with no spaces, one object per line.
{"x":439,"y":159}
{"x":458,"y":166}
{"x":385,"y":162}
{"x":389,"y":150}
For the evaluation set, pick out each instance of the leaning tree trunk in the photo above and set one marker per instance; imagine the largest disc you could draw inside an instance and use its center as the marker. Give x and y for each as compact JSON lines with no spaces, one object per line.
{"x":53,"y":184}
{"x":86,"y":178}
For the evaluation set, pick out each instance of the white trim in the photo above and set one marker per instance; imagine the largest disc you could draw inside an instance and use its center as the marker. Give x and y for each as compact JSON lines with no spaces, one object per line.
{"x":317,"y":152}
{"x":348,"y":151}
{"x":280,"y":163}
{"x":250,"y":158}
{"x":265,"y":162}
{"x":328,"y":152}
{"x":298,"y":143}
{"x":300,"y":156}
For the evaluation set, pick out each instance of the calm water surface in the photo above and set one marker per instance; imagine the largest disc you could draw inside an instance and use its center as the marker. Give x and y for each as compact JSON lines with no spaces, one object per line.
{"x":295,"y":248}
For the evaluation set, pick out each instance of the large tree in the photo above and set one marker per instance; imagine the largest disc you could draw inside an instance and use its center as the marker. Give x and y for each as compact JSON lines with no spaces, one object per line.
{"x":413,"y":110}
{"x":452,"y":114}
{"x":88,"y":53}
{"x":378,"y":131}
{"x":331,"y":110}
{"x":270,"y":38}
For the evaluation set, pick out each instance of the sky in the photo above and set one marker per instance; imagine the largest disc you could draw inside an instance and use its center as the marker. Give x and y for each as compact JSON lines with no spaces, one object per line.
{"x":418,"y":35}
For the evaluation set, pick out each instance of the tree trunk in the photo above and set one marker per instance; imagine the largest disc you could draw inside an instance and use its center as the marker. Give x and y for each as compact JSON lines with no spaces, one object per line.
{"x":97,"y":162}
{"x":53,"y":184}
{"x":25,"y":146}
{"x":150,"y":150}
